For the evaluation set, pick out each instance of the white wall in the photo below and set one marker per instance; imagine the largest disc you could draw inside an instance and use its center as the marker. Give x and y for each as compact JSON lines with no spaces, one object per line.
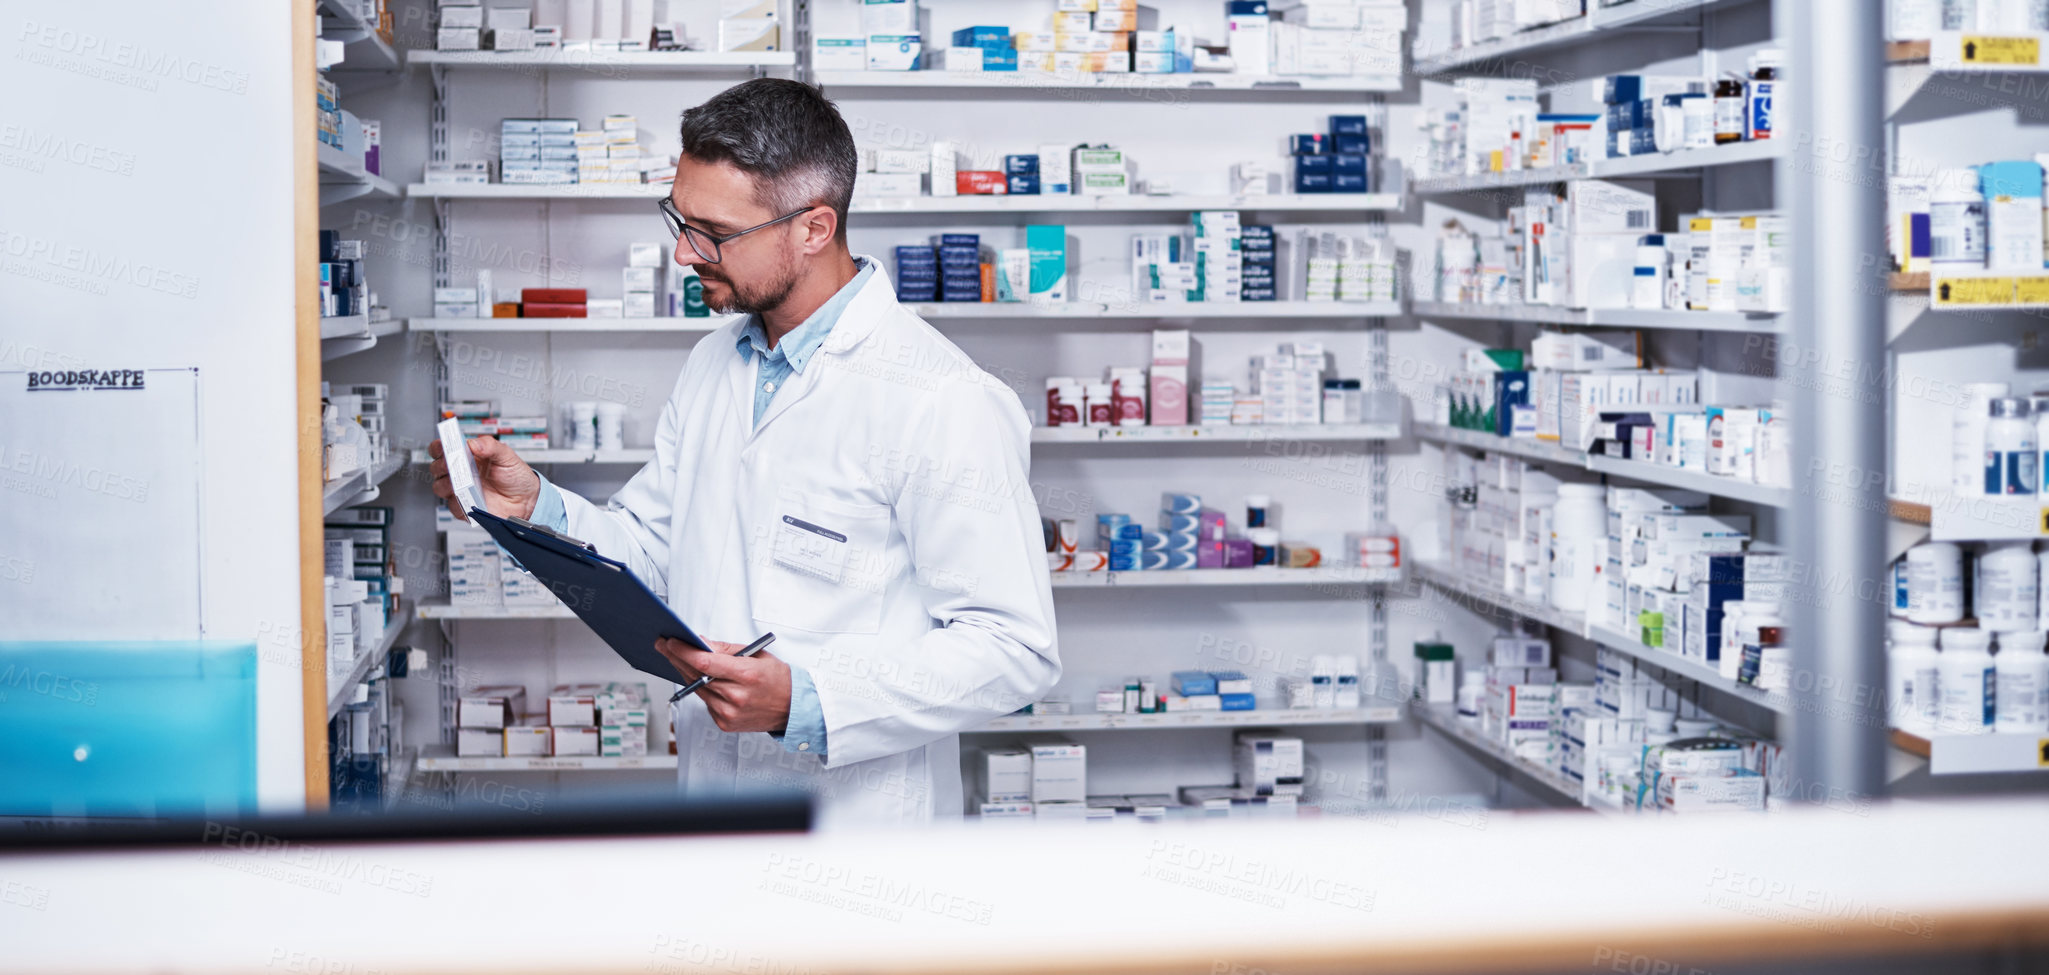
{"x":146,"y":169}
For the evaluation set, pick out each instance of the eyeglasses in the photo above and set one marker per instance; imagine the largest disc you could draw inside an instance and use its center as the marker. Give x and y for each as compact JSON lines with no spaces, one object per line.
{"x":706,"y":244}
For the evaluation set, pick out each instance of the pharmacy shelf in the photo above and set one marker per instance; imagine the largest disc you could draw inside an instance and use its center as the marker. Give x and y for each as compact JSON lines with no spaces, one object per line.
{"x":630,"y":455}
{"x":363,"y":49}
{"x":1977,"y":754}
{"x":686,"y":325}
{"x":996,"y":83}
{"x":343,"y":179}
{"x":1444,"y":718}
{"x":1271,"y":717}
{"x":349,"y":334}
{"x":1677,"y":163}
{"x":602,"y":61}
{"x":359,"y":487}
{"x":441,"y":758}
{"x":399,"y":775}
{"x":441,"y":610}
{"x":960,"y":312}
{"x":339,"y":688}
{"x":1988,"y":519}
{"x":1692,"y":670}
{"x":1633,"y":470}
{"x":1443,"y":577}
{"x":1319,"y":577}
{"x":1988,"y":290}
{"x":1955,"y":57}
{"x":1692,"y":321}
{"x":973,"y":203}
{"x":1690,"y":480}
{"x":1576,"y":624}
{"x":1216,"y":433}
{"x":1591,"y":28}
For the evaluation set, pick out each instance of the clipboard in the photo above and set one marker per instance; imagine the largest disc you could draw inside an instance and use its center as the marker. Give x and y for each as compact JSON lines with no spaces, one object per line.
{"x":604,"y":593}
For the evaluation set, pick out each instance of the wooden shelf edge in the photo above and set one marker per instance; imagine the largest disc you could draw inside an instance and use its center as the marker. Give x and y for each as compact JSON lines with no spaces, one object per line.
{"x":1904,"y":52}
{"x":1910,"y":281}
{"x":1911,"y":744}
{"x":1911,"y":512}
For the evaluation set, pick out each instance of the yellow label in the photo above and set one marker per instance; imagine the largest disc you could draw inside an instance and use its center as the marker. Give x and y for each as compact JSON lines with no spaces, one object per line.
{"x":1750,"y":223}
{"x":2045,"y":521}
{"x":2032,"y":291}
{"x":1973,"y":291}
{"x":2042,"y":753}
{"x":1700,"y":224}
{"x":1983,"y":49}
{"x":1494,"y":161}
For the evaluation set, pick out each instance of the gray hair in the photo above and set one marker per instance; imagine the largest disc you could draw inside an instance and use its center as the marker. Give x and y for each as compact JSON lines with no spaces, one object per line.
{"x":785,"y":134}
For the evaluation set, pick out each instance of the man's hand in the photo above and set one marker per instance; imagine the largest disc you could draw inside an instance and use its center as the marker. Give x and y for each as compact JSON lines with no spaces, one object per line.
{"x":746,"y":693}
{"x":510,"y":486}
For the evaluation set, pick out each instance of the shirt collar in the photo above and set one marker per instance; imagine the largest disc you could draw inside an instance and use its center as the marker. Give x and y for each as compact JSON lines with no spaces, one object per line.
{"x":798,"y":346}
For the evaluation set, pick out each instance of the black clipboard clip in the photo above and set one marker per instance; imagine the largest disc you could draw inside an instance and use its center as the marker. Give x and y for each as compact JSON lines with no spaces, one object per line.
{"x":552,"y":533}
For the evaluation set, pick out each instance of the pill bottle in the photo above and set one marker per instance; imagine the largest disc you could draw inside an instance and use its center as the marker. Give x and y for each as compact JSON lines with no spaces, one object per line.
{"x":1910,"y":677}
{"x":1935,"y":583}
{"x":1472,"y":687}
{"x":1579,"y":533}
{"x":2006,"y":597}
{"x":1899,"y":602}
{"x":1101,"y":409}
{"x":1255,"y":510}
{"x":2009,"y":447}
{"x":1764,"y":84}
{"x":1750,"y":636}
{"x":1773,"y":664}
{"x":1730,"y":108}
{"x":1649,"y":290}
{"x":1964,"y":681}
{"x":1967,"y":438}
{"x":2021,"y":678}
{"x":1699,"y":117}
{"x":1266,"y":543}
{"x":1956,"y":219}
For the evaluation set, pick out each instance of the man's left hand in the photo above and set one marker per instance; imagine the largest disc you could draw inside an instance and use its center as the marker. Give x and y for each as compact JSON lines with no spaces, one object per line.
{"x":746,"y":693}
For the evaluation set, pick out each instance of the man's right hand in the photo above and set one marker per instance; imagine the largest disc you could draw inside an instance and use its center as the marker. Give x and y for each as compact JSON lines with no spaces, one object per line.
{"x":510,"y":486}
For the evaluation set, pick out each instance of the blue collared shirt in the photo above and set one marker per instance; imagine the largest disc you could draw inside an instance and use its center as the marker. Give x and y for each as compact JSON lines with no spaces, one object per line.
{"x":805,"y":732}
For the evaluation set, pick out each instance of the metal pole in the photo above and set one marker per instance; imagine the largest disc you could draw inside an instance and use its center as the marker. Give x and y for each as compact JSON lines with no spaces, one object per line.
{"x":1830,"y":182}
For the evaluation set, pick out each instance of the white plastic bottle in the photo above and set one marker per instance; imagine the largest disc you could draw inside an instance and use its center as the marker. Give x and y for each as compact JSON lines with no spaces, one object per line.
{"x":1956,"y":220}
{"x":1899,"y":603}
{"x":1967,"y":438}
{"x":2006,"y":597}
{"x":2010,"y":448}
{"x":1935,"y":583}
{"x":1965,"y":680}
{"x":2021,"y":672}
{"x":1729,"y":661}
{"x":1910,"y":677}
{"x":1579,"y":531}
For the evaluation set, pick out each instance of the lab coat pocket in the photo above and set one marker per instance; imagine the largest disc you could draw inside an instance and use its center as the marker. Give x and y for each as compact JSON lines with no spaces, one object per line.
{"x":826,"y":567}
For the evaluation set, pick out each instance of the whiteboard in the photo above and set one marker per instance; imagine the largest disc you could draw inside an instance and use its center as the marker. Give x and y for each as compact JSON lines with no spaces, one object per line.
{"x":99,"y":504}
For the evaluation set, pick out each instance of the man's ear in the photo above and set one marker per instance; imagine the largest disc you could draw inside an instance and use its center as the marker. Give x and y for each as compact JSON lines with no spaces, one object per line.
{"x":820,"y":226}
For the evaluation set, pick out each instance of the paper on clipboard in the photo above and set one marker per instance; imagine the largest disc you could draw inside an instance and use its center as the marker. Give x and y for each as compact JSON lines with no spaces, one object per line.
{"x":462,"y":468}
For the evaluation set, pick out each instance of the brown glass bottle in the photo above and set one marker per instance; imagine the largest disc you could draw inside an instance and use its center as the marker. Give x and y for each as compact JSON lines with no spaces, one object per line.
{"x":1729,"y":110}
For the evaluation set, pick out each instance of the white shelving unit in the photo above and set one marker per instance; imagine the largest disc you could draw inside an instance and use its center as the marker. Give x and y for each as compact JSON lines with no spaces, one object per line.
{"x":1444,"y":718}
{"x":1576,"y":624}
{"x":1028,"y":83}
{"x":363,"y":50}
{"x":1683,"y":162}
{"x":339,"y":686}
{"x":441,"y":758}
{"x":1691,"y":321}
{"x":970,"y":204}
{"x":1601,"y":23}
{"x":349,"y":334}
{"x":604,"y":62}
{"x":359,"y":487}
{"x":343,"y":179}
{"x":1978,"y":754}
{"x":1633,"y":470}
{"x":961,"y":313}
{"x":1265,"y":717}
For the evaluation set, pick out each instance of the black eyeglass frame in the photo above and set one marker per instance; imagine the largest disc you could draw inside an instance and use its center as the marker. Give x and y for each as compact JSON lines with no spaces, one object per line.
{"x":683,"y":231}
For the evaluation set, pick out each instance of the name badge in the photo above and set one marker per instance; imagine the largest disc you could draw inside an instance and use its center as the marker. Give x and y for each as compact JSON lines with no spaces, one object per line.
{"x":810,"y":549}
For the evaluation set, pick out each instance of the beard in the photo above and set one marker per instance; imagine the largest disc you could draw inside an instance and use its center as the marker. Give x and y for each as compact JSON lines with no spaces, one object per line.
{"x":755,"y":297}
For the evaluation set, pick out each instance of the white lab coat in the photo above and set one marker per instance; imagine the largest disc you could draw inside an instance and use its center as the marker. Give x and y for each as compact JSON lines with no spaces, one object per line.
{"x":942,"y":613}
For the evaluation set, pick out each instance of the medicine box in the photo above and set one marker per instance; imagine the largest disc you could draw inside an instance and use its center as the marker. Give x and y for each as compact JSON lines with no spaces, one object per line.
{"x":572,"y":711}
{"x":839,"y":53}
{"x":1059,"y":773}
{"x":575,"y":741}
{"x":1268,"y":763}
{"x":894,"y":52}
{"x":479,"y":743}
{"x":1005,"y":775}
{"x":496,"y":706}
{"x":528,"y":741}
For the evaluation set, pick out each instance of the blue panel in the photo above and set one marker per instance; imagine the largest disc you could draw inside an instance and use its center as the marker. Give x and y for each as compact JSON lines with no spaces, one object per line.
{"x":127,"y":729}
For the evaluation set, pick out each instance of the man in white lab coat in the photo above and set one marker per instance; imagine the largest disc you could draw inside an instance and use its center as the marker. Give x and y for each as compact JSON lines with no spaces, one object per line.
{"x":831,"y":469}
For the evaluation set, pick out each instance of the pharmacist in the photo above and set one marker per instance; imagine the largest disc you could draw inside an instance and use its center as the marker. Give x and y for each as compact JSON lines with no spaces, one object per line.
{"x":831,"y":469}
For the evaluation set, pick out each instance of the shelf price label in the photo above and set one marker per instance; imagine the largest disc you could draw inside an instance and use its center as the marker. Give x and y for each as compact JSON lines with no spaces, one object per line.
{"x":2043,"y":528}
{"x":1956,"y":292}
{"x":2042,"y":753}
{"x":1991,"y":49}
{"x":2032,"y":291}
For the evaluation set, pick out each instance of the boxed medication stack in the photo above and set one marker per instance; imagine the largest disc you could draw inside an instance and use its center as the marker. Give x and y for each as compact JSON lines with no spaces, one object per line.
{"x":894,"y":42}
{"x":917,"y":273}
{"x":1171,"y":361}
{"x":1158,"y":272}
{"x":343,"y":288}
{"x":1268,"y":763}
{"x":1257,"y":258}
{"x":1100,"y":171}
{"x":642,"y":279}
{"x":460,"y":28}
{"x":992,"y":47}
{"x":960,"y":267}
{"x":1021,"y":174}
{"x":483,"y":714}
{"x":538,"y":151}
{"x":744,"y":25}
{"x":1219,"y":265}
{"x":1289,"y":383}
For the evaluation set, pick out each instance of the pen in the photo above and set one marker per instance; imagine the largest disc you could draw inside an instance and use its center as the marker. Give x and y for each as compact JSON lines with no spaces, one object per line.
{"x":746,"y":651}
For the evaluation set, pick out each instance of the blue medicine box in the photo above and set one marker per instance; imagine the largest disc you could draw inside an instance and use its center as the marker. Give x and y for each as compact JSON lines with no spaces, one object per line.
{"x":1237,"y":702}
{"x":1324,"y":165}
{"x":983,"y":37}
{"x":959,"y":240}
{"x":1348,"y":125}
{"x":1022,"y":185}
{"x":1617,"y":89}
{"x":1343,"y":142}
{"x":994,"y":59}
{"x":1189,"y":683}
{"x":1314,"y":183}
{"x":1348,"y":164}
{"x":1021,"y":165}
{"x":1252,"y":293}
{"x":1348,"y":183}
{"x":1245,"y":8}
